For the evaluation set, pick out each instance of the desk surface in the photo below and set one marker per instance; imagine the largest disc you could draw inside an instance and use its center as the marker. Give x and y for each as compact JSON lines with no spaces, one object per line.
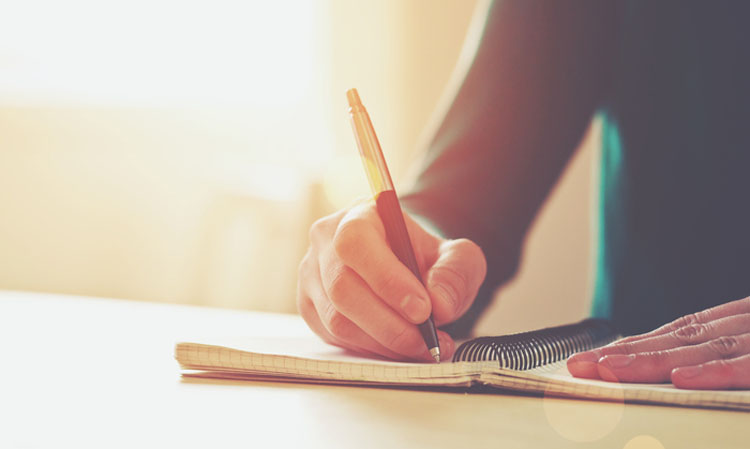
{"x":87,"y":372}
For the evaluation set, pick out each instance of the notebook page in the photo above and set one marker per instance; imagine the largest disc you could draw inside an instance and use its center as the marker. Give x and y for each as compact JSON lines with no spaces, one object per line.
{"x":311,"y":359}
{"x":555,"y":380}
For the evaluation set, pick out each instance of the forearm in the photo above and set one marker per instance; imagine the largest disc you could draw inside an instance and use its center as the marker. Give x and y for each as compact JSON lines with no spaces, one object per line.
{"x":523,"y":107}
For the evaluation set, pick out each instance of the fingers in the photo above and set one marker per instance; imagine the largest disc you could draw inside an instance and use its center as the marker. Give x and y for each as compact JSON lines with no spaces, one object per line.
{"x":362,"y":343}
{"x":401,"y":344}
{"x":454,"y":279}
{"x":715,"y":375}
{"x":740,"y":306}
{"x":677,"y":354}
{"x":349,"y":304}
{"x":359,"y":243}
{"x":586,"y":364}
{"x":657,"y":366}
{"x":354,"y":292}
{"x":348,"y":314}
{"x":308,"y":271}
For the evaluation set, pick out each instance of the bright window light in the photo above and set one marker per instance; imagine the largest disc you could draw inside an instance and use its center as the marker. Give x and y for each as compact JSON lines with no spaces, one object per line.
{"x":157,"y":52}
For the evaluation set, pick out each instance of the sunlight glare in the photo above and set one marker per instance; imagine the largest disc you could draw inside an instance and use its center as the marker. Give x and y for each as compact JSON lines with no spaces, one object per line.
{"x":156,"y":52}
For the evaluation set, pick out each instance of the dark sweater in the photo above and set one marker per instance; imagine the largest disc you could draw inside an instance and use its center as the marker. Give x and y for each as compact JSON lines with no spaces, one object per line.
{"x":671,"y":82}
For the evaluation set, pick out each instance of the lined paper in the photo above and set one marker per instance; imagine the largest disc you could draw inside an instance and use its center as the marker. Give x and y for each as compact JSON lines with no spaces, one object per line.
{"x":310,"y":360}
{"x":555,"y":380}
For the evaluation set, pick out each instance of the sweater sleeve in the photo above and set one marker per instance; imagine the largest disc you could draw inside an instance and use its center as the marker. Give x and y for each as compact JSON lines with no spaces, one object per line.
{"x":538,"y":75}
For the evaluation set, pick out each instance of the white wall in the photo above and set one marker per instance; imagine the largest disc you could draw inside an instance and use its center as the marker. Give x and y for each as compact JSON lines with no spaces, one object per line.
{"x":171,"y":166}
{"x":201,"y":200}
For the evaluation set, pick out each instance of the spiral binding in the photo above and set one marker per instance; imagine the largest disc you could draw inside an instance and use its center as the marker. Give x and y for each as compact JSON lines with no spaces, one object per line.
{"x":529,"y":350}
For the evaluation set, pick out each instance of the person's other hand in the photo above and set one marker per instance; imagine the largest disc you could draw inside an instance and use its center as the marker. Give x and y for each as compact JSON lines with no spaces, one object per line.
{"x":705,"y":350}
{"x":354,"y":293}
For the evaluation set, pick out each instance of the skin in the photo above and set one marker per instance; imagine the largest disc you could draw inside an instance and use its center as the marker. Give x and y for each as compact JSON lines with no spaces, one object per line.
{"x":354,"y":293}
{"x":705,"y":350}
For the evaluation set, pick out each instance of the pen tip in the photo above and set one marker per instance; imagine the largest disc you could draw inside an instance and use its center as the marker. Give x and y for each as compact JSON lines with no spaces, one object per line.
{"x":435,"y":353}
{"x":353,"y":97}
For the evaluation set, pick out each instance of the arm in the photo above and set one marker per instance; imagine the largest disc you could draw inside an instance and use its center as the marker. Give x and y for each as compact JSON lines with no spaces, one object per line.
{"x":524,"y":104}
{"x":539,"y":74}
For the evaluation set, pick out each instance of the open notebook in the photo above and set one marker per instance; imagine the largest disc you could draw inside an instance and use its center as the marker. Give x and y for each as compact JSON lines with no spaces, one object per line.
{"x":531,"y":362}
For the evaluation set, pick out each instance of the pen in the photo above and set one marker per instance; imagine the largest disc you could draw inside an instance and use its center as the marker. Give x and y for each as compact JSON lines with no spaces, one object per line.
{"x":387,"y":203}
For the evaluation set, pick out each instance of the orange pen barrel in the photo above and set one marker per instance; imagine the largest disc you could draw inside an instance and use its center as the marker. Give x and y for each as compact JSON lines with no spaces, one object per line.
{"x":369,"y":146}
{"x":387,"y":203}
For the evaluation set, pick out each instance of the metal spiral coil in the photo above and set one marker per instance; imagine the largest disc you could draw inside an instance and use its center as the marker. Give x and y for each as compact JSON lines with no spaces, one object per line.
{"x":529,"y":350}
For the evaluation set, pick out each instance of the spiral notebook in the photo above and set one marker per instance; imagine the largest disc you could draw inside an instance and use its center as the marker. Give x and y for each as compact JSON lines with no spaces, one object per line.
{"x":532,"y":362}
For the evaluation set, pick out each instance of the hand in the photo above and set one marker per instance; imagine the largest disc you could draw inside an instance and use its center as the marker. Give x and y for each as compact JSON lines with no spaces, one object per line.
{"x":353,"y":291}
{"x":705,"y":350}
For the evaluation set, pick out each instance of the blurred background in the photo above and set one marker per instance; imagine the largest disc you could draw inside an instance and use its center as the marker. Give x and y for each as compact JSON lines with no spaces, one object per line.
{"x":177,"y":151}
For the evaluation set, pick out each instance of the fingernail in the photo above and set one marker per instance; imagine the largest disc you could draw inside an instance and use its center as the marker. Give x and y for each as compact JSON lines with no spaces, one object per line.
{"x":585,"y":357}
{"x":617,"y":360}
{"x":584,"y":364}
{"x":687,"y":372}
{"x":413,"y":307}
{"x":445,"y":296}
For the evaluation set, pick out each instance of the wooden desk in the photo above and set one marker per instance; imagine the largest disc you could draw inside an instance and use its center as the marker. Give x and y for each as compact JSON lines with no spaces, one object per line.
{"x":86,"y":372}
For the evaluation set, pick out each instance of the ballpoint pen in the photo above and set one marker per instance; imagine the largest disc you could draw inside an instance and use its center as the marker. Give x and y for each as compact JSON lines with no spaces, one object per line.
{"x":387,"y":203}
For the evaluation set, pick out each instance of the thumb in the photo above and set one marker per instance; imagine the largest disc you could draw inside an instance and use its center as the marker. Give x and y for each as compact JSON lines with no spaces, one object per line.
{"x":454,"y":279}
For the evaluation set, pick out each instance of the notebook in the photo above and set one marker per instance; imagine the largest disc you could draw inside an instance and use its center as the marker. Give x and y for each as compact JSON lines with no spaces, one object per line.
{"x":531,"y":362}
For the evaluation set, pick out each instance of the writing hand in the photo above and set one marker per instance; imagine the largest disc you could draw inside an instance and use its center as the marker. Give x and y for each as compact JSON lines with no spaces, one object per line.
{"x":353,"y":291}
{"x":705,"y":350}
